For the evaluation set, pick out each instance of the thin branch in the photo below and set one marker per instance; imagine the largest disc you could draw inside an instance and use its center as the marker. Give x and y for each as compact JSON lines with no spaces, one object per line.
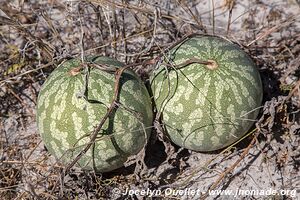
{"x":273,"y":29}
{"x":230,"y":169}
{"x":94,"y":135}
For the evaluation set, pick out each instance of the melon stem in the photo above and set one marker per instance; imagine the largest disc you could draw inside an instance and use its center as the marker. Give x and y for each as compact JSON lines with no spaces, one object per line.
{"x":209,"y":64}
{"x":212,"y":65}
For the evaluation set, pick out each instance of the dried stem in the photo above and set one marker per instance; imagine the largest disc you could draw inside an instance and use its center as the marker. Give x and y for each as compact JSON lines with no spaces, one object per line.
{"x":231,"y":168}
{"x":190,"y":61}
{"x":94,"y":135}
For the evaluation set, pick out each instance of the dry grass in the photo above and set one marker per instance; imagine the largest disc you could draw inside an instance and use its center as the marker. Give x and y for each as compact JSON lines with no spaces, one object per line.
{"x":35,"y":36}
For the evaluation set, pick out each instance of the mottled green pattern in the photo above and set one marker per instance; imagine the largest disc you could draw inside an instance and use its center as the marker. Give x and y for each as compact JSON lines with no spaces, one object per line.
{"x":206,"y":109}
{"x":65,"y":121}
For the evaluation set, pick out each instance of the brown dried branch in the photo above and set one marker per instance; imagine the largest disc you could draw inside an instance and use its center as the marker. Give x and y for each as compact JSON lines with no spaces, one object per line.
{"x":188,"y":62}
{"x":94,"y":135}
{"x":231,"y":168}
{"x":279,"y":26}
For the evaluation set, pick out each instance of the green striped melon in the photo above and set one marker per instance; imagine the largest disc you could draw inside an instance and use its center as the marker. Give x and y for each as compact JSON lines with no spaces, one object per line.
{"x":66,"y":118}
{"x":208,"y":106}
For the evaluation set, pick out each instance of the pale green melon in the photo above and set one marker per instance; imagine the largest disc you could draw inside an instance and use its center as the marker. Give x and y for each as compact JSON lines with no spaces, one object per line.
{"x":66,"y":120}
{"x":207,"y":107}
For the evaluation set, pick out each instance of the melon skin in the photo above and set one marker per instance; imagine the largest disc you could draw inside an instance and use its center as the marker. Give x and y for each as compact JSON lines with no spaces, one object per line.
{"x":65,"y":120}
{"x":202,"y":108}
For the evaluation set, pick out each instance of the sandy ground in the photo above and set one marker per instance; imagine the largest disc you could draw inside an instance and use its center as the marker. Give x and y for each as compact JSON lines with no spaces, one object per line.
{"x":35,"y":36}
